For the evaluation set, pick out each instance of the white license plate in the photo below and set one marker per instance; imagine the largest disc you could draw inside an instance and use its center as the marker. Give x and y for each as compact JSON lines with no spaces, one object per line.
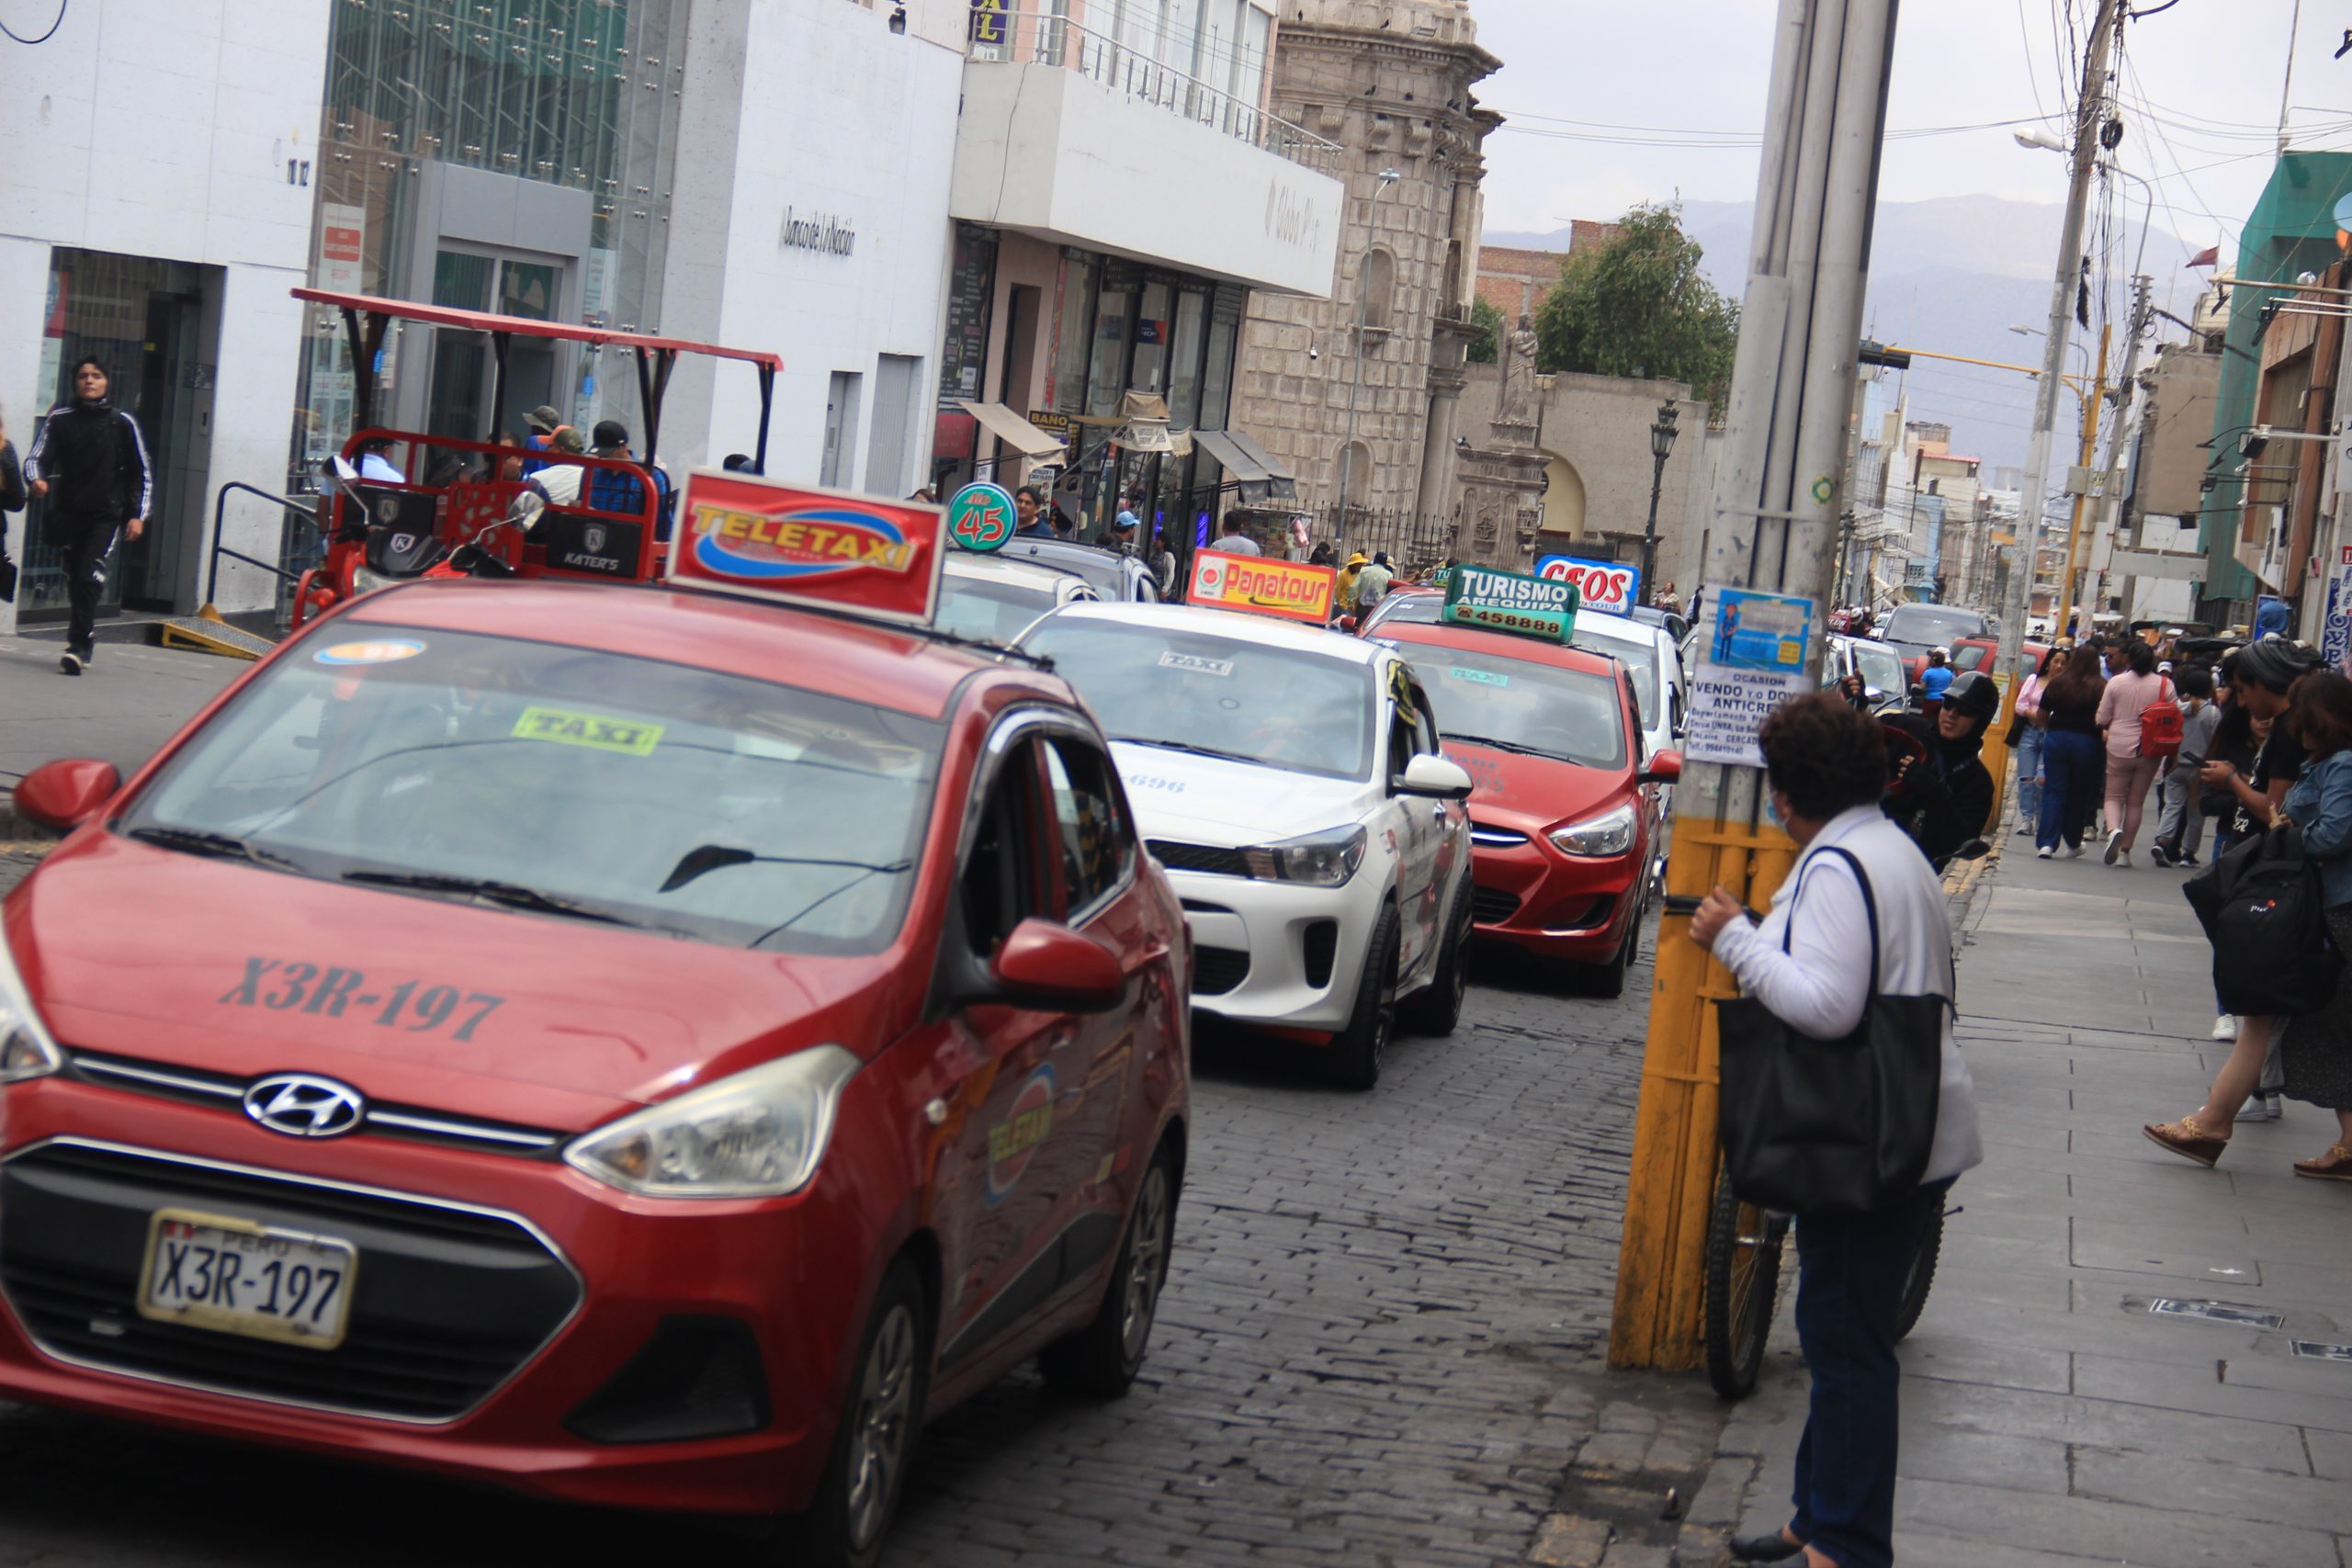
{"x":239,"y":1276}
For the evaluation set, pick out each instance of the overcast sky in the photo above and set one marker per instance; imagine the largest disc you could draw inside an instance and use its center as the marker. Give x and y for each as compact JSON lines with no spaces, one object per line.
{"x":2201,"y":94}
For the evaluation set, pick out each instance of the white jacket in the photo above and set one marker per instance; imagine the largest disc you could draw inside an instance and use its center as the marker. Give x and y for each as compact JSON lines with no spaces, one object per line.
{"x":1821,"y":983}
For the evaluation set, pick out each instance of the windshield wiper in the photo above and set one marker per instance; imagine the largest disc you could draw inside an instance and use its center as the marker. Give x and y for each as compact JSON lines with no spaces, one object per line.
{"x":1191,"y":750}
{"x":704,"y":858}
{"x":223,"y":846}
{"x":1521,"y":747}
{"x":512,"y":894}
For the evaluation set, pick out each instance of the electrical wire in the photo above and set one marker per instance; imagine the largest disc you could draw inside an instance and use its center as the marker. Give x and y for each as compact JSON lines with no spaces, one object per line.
{"x":44,"y":38}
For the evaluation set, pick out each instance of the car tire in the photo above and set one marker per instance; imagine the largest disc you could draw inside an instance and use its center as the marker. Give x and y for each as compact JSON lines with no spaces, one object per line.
{"x":1354,"y":1056}
{"x":873,"y":1443}
{"x":1100,"y":1360}
{"x":1437,"y":1009}
{"x":1608,"y":980}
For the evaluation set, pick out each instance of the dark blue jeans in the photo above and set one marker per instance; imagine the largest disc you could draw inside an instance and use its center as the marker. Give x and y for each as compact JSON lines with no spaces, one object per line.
{"x":1851,"y":1270}
{"x":2070,"y":763}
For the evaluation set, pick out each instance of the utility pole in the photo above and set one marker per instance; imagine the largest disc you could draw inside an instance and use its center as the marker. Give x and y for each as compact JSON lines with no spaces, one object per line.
{"x":1381,"y":181}
{"x":2092,"y":402}
{"x":2090,"y":113}
{"x":2111,"y":509}
{"x":1774,"y":527}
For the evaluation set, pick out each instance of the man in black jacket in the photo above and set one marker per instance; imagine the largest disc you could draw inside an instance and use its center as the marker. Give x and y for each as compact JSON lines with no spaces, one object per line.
{"x":12,"y":499}
{"x":1941,"y":793}
{"x":90,"y":461}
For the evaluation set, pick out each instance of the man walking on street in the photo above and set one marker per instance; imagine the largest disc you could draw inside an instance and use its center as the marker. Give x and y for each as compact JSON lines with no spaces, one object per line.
{"x":90,"y":453}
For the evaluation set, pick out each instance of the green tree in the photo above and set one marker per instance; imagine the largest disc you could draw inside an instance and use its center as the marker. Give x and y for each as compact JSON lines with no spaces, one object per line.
{"x":1489,"y":322}
{"x":1639,"y":306}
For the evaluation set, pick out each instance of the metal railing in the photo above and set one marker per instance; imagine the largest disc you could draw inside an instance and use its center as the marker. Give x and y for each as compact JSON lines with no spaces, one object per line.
{"x":1041,"y":39}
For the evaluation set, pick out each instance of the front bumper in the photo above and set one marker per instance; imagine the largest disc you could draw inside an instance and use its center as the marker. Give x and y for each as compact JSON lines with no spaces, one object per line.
{"x":1531,"y":897}
{"x":498,"y":1303}
{"x":1278,"y":955}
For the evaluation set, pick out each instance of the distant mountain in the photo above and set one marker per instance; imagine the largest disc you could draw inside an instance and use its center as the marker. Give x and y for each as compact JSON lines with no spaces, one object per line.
{"x":1952,"y":275}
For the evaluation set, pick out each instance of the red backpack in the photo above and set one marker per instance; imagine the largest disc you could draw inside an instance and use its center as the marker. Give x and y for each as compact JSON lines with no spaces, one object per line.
{"x":2160,"y":727}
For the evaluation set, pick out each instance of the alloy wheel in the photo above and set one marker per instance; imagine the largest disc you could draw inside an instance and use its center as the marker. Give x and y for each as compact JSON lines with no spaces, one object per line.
{"x":878,"y":1448}
{"x":1147,"y":1264}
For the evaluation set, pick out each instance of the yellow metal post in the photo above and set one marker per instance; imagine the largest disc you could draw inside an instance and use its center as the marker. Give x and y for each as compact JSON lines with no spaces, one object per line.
{"x":2059,"y":612}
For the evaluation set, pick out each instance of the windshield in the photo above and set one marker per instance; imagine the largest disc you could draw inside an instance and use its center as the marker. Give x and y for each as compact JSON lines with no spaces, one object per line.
{"x":1880,"y":669}
{"x":1103,"y":572}
{"x":1480,"y":695}
{"x":731,"y":810}
{"x":1196,"y":690}
{"x":1922,"y":626}
{"x":989,"y":609}
{"x":1640,"y":660}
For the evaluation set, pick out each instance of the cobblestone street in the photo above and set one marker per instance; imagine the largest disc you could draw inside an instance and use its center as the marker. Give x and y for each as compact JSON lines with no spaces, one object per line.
{"x":1381,"y":1345}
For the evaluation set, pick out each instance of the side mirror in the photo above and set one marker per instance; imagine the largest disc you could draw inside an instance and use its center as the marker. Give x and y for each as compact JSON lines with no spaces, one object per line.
{"x":63,"y":795}
{"x":1348,"y":625}
{"x":524,"y":511}
{"x":341,"y":468}
{"x":1435,"y":777}
{"x":1053,"y":968}
{"x":1665,"y":768}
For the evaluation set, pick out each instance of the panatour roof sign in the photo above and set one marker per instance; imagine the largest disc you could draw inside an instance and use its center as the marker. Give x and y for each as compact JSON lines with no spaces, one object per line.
{"x":822,"y":232}
{"x":1261,"y":586}
{"x":1511,"y":602}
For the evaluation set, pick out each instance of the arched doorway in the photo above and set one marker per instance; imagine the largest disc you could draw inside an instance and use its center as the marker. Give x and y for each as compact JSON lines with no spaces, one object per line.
{"x":1563,"y":497}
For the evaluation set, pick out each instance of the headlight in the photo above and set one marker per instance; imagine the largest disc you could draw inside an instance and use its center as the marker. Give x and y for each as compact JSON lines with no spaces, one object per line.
{"x":26,"y":1049}
{"x":757,"y":1135}
{"x":1319,"y":860}
{"x":1610,"y":833}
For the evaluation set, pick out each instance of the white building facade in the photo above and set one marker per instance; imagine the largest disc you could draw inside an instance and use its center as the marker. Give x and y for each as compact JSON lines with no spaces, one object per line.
{"x":159,"y":185}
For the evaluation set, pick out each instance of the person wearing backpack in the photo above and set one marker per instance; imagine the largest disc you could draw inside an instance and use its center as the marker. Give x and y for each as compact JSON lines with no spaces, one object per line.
{"x":2139,"y":717}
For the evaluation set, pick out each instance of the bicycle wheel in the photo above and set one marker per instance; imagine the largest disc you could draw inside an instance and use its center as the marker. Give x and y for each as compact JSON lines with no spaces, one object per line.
{"x":1922,"y":1276}
{"x":1743,"y":1280}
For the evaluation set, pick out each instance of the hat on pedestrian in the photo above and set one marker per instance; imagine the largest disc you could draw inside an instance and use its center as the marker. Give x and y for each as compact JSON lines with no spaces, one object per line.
{"x":1357,"y":559}
{"x":567,"y":440}
{"x":544,"y":420}
{"x":1973,"y":694}
{"x":2275,"y":662}
{"x":611,"y":433}
{"x":1125,"y":523}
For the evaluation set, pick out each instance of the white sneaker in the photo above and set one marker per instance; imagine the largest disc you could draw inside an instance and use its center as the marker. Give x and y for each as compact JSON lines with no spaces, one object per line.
{"x":2114,"y":847}
{"x":2260,"y":1108}
{"x":2225,"y":1027}
{"x":2043,"y":854}
{"x":2074,"y":851}
{"x":2124,"y":860}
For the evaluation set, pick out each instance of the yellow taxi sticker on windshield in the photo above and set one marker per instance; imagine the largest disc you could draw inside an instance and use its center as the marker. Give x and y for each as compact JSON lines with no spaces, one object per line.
{"x":593,"y":730}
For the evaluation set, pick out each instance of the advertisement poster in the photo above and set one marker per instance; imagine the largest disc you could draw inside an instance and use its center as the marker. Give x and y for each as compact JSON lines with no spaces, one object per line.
{"x":1751,"y":660}
{"x":1510,"y":602}
{"x":1261,"y":586}
{"x":1611,"y":587}
{"x":748,"y":534}
{"x":2336,"y":632}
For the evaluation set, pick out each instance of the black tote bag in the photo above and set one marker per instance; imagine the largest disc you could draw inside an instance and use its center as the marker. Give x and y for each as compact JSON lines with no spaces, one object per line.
{"x":1830,"y":1126}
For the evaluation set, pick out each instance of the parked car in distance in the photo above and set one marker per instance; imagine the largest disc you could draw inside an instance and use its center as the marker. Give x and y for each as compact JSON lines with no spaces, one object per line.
{"x":1115,"y":576}
{"x":989,"y":599}
{"x":1916,"y":630}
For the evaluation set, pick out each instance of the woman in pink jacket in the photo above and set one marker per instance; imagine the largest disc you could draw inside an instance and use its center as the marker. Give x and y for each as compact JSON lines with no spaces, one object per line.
{"x":2129,"y":774}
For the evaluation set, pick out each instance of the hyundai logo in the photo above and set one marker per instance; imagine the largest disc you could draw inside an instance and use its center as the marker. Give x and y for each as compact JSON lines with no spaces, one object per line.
{"x":302,"y":1106}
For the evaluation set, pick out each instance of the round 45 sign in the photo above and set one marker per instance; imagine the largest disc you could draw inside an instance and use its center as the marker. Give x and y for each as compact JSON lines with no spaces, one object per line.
{"x":981,"y":516}
{"x":1604,"y":585}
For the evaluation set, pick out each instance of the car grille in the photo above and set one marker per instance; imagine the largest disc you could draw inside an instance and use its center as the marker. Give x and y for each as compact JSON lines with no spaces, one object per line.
{"x":1216,"y":970}
{"x":1492,"y":906}
{"x":221,"y":1089}
{"x":447,"y":1302}
{"x":1496,"y":838}
{"x":1198,"y":857}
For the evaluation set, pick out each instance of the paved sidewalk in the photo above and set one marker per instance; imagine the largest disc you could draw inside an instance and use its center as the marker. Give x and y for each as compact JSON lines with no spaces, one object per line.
{"x":128,"y":704}
{"x":2051,"y":1420}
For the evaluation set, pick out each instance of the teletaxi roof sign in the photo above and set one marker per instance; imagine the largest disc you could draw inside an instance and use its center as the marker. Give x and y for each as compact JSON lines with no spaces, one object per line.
{"x":800,"y":545}
{"x":1255,"y":583}
{"x":1511,"y":602}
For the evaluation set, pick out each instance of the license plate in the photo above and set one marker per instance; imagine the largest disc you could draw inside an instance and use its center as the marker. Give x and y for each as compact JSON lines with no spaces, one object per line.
{"x":239,"y":1276}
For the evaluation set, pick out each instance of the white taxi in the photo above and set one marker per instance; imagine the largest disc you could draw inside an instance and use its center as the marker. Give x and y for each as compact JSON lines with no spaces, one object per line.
{"x":1290,"y":782}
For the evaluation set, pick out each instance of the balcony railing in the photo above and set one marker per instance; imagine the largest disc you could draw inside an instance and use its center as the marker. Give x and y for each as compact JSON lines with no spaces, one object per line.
{"x":1038,"y":38}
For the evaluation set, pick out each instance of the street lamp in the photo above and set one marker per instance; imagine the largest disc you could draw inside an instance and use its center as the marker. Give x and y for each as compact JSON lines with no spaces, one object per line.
{"x":1385,"y":178}
{"x":1661,"y":445}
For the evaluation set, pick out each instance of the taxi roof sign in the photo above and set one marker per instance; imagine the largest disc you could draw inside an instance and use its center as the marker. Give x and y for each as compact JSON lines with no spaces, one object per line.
{"x":1511,"y":602}
{"x":980,"y":517}
{"x":800,"y":545}
{"x":1263,"y":586}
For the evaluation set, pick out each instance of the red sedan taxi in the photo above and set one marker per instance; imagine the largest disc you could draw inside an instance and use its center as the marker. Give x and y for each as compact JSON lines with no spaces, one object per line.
{"x":650,"y":1047}
{"x":1563,"y":815}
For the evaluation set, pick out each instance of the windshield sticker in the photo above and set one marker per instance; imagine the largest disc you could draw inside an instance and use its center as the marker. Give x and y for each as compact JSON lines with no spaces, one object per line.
{"x":1196,"y":664}
{"x":1477,"y":677}
{"x":568,"y":728}
{"x":415,"y":1005}
{"x":387,"y":651}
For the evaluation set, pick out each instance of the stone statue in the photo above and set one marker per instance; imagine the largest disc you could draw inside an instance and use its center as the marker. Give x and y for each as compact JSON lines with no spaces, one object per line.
{"x":1519,"y":376}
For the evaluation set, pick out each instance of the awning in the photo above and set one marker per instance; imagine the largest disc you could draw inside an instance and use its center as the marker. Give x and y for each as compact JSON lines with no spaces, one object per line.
{"x":1259,"y":474}
{"x":1013,"y":430}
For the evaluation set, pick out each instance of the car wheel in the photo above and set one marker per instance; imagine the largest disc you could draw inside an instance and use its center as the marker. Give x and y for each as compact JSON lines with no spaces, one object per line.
{"x":875,"y":1441}
{"x":1438,"y":1009}
{"x":1102,"y":1358}
{"x":1356,"y":1052}
{"x":1608,"y":979}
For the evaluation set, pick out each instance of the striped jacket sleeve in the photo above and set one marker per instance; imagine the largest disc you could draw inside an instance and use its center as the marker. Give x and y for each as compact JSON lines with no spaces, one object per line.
{"x":41,"y":441}
{"x":146,"y":468}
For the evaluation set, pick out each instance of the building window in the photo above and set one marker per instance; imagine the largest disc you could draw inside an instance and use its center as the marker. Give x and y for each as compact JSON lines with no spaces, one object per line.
{"x":1379,"y":283}
{"x":1150,"y":373}
{"x":1069,"y":392}
{"x":1356,"y":460}
{"x":1106,"y":366}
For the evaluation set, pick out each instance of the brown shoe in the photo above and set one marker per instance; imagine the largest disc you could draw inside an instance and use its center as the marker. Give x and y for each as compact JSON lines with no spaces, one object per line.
{"x":2334,"y":1165}
{"x":2188,"y":1139}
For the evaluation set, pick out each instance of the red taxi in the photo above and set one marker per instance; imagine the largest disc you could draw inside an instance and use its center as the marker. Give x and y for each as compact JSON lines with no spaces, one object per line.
{"x":1563,"y":819}
{"x":633,"y":1045}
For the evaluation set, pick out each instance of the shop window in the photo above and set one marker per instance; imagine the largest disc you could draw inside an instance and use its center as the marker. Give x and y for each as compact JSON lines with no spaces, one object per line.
{"x":1379,"y":283}
{"x":1070,"y":340}
{"x":1152,"y":330}
{"x":1184,"y":365}
{"x":1105,"y":377}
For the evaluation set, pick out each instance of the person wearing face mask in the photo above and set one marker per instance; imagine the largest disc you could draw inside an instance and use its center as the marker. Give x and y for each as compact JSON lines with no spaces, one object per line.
{"x":90,"y":462}
{"x":1942,"y":794}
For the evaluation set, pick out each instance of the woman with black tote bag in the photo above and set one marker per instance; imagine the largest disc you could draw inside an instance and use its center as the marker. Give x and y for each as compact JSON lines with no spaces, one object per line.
{"x":1861,"y":888}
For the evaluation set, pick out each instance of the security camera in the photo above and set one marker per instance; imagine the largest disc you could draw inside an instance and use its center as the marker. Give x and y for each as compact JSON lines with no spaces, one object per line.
{"x":1313,"y":352}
